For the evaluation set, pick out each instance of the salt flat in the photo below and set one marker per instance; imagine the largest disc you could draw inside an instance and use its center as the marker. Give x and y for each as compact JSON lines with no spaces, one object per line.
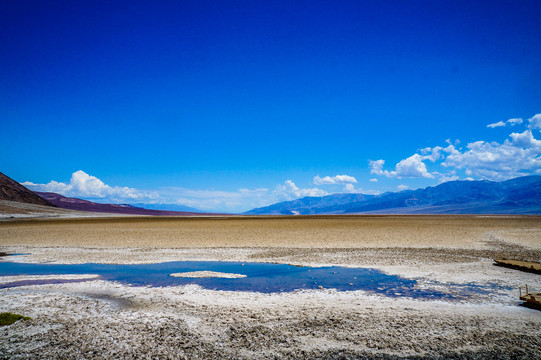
{"x":459,"y":232}
{"x":97,"y":319}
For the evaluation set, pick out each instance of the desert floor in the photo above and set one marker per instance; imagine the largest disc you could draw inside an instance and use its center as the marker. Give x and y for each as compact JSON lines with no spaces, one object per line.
{"x":100,"y":319}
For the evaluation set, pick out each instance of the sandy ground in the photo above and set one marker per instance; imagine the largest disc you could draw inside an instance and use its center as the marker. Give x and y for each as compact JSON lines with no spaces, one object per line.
{"x":459,"y":232}
{"x":99,"y":319}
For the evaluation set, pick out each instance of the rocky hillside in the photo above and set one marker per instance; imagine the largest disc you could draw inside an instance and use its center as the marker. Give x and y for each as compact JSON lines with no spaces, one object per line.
{"x":13,"y":191}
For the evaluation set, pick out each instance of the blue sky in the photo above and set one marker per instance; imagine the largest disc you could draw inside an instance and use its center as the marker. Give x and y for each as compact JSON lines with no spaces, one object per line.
{"x":226,"y":106}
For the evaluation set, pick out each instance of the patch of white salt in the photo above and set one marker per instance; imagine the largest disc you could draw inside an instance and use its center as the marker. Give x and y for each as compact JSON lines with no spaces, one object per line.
{"x":10,"y":279}
{"x":208,"y":274}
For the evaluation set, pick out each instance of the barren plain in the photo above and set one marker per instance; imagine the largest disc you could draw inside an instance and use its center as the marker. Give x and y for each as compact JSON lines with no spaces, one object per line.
{"x":100,"y":319}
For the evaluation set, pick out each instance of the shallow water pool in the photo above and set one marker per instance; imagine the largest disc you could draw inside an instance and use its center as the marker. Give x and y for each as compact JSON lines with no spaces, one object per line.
{"x":260,"y":277}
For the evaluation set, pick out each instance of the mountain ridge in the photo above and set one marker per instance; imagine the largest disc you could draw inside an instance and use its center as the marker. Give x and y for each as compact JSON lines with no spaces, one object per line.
{"x":520,"y":195}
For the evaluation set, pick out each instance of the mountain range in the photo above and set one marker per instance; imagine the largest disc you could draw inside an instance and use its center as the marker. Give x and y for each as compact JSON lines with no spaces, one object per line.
{"x":85,"y":205}
{"x":520,"y":195}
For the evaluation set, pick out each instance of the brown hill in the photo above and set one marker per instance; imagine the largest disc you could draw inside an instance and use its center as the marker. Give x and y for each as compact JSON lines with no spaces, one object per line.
{"x":13,"y":191}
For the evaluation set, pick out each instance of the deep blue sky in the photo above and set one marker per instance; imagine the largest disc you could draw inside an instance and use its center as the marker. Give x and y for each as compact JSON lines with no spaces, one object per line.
{"x":226,"y":95}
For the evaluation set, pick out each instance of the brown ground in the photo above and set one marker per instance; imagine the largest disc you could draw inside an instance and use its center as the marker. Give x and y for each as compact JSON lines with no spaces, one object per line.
{"x":458,"y":232}
{"x":97,"y":319}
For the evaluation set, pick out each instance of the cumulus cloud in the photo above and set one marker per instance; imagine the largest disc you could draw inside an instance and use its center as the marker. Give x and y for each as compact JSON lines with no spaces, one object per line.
{"x":374,"y":180}
{"x":351,"y":189}
{"x":525,"y":140}
{"x":432,"y":154}
{"x":515,"y":121}
{"x":238,"y":200}
{"x":411,"y":167}
{"x":512,"y":122}
{"x":494,"y":161}
{"x":535,"y":122}
{"x":518,"y":155}
{"x":338,"y":179}
{"x":402,"y":187}
{"x":218,"y":200}
{"x":451,"y":176}
{"x":83,"y":185}
{"x":376,"y":167}
{"x":87,"y":186}
{"x":290,"y":189}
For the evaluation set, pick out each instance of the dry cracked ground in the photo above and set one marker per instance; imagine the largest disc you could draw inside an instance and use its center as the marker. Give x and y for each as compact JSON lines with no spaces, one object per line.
{"x":100,"y":319}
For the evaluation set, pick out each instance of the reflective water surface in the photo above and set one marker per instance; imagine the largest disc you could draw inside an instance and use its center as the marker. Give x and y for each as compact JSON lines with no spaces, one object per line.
{"x":260,"y":277}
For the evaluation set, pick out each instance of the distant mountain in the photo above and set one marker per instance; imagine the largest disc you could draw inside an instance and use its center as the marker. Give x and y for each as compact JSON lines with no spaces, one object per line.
{"x":85,"y":205}
{"x":309,"y":205}
{"x":13,"y":191}
{"x":516,"y":196}
{"x":167,"y":207}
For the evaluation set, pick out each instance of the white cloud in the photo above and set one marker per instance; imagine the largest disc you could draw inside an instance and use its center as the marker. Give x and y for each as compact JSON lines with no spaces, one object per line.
{"x":87,"y":186}
{"x":495,"y":161}
{"x":451,"y":176}
{"x":374,"y":180}
{"x":377,"y":167}
{"x":432,"y":154}
{"x":535,"y":122}
{"x":518,"y":155}
{"x":525,"y":139}
{"x":412,"y":167}
{"x":239,"y":200}
{"x":83,"y":185}
{"x":217,"y":200}
{"x":338,"y":179}
{"x":291,"y":190}
{"x":498,"y":124}
{"x":515,"y":121}
{"x":512,"y":122}
{"x":351,"y":189}
{"x":402,"y":187}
